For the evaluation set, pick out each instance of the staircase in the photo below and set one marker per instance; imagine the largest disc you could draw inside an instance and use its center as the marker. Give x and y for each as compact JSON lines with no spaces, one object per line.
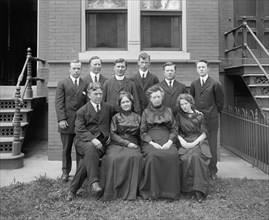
{"x":7,"y":110}
{"x":256,"y":82}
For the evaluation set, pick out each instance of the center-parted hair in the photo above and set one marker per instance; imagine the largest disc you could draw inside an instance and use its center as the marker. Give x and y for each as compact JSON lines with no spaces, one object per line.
{"x":169,"y":64}
{"x":202,"y":61}
{"x":187,"y":97}
{"x":128,"y":95}
{"x":144,"y":56}
{"x":94,"y":86}
{"x":120,"y":60}
{"x":154,"y":88}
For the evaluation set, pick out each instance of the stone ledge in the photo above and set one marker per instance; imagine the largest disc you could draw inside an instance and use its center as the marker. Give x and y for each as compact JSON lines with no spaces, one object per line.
{"x":7,"y":161}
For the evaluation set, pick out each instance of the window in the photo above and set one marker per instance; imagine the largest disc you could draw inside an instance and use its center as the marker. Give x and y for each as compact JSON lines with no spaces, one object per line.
{"x":161,"y":25}
{"x":106,"y":25}
{"x":128,"y":27}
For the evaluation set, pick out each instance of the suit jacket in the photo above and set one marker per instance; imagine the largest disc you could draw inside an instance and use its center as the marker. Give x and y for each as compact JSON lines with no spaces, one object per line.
{"x":209,"y":99}
{"x":141,"y":87}
{"x":88,"y":79}
{"x":68,"y":100}
{"x":112,"y":89}
{"x":171,"y":95}
{"x":89,"y":125}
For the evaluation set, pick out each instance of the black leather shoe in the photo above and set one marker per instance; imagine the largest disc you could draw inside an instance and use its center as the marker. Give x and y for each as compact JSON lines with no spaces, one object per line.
{"x":199,"y":196}
{"x":70,"y":196}
{"x":65,"y":177}
{"x":96,"y":190}
{"x":214,"y":176}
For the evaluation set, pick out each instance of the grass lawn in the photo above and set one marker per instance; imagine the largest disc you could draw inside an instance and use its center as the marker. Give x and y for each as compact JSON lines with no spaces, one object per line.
{"x":45,"y":199}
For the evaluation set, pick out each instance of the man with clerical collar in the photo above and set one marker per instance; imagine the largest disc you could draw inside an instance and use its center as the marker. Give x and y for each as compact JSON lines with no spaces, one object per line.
{"x":172,"y":88}
{"x":144,"y":79}
{"x":209,"y":99}
{"x":119,"y":82}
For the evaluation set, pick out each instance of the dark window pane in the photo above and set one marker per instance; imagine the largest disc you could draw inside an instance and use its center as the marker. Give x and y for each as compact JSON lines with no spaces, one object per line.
{"x":106,"y":30}
{"x":161,"y":32}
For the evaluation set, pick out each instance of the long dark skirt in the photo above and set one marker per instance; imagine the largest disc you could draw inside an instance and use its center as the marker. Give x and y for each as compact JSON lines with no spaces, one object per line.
{"x":120,"y":172}
{"x":194,"y":170}
{"x":161,"y":176}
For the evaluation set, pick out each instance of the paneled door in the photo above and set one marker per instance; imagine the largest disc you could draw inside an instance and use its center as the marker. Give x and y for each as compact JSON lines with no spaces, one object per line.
{"x":256,"y":13}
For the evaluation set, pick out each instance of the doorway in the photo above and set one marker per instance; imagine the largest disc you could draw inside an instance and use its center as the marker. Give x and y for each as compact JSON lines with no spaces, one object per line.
{"x":18,"y":23}
{"x":256,"y":13}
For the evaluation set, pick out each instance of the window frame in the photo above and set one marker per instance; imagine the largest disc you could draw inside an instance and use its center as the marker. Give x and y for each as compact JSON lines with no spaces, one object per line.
{"x":134,"y":38}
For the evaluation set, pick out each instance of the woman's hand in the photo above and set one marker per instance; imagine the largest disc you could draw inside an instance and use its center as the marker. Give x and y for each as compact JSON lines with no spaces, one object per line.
{"x":157,"y":146}
{"x":167,"y":145}
{"x":132,"y":145}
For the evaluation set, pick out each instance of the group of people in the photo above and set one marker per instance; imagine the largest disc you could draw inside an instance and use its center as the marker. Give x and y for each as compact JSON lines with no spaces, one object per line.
{"x":137,"y":136}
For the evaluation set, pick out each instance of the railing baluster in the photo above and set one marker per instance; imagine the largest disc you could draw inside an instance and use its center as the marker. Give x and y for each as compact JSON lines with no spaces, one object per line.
{"x":29,"y":90}
{"x":16,"y":145}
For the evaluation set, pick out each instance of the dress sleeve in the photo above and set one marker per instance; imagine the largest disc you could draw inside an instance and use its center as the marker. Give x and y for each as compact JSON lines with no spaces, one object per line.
{"x":114,"y":133}
{"x":204,"y":127}
{"x":144,"y":129}
{"x":173,"y":128}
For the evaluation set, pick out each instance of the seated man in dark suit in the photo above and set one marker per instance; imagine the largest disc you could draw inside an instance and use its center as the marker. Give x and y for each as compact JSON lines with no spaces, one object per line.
{"x":92,"y":127}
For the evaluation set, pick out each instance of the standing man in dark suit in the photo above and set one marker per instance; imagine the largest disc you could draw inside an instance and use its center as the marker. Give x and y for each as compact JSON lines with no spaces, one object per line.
{"x":118,"y":83}
{"x":144,"y":79}
{"x":209,"y":99}
{"x":172,"y":88}
{"x":92,"y":137}
{"x":70,"y":96}
{"x":95,"y":66}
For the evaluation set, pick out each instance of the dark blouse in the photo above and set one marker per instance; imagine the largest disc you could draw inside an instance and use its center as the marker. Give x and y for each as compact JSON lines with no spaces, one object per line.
{"x":193,"y":124}
{"x":125,"y":126}
{"x":161,"y":117}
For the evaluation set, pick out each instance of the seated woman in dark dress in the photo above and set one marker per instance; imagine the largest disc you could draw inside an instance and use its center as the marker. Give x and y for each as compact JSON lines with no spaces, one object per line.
{"x":161,"y":176}
{"x":121,"y":166}
{"x":194,"y":151}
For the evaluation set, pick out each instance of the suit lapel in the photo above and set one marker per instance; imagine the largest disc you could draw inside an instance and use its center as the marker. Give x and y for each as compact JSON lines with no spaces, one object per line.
{"x":165,"y":86}
{"x":72,"y":85}
{"x":175,"y":87}
{"x":147,"y":80}
{"x":206,"y":84}
{"x":102,"y":112}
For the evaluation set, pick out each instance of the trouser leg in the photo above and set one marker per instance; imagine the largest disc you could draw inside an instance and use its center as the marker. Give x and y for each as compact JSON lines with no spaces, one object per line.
{"x":67,"y":141}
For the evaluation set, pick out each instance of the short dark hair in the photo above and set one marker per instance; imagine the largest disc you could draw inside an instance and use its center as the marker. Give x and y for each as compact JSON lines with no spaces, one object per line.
{"x":128,"y":95}
{"x":75,"y":61}
{"x":186,"y":97}
{"x":169,"y":64}
{"x":144,"y":56}
{"x":154,"y":88}
{"x":202,"y":61}
{"x":94,"y":58}
{"x":94,"y":86}
{"x":121,"y":60}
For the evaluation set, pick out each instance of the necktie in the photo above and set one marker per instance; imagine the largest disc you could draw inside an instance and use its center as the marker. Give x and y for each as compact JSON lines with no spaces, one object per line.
{"x":143,"y":76}
{"x":76,"y":82}
{"x":97,"y":108}
{"x":202,"y":82}
{"x":170,"y":84}
{"x":95,"y":78}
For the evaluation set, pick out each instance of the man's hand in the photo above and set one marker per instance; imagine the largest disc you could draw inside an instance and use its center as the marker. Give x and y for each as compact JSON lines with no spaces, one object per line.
{"x":63,"y":124}
{"x":97,"y":143}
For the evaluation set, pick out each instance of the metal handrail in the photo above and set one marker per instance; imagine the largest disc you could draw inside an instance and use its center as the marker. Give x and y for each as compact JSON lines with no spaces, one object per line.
{"x":245,"y":46}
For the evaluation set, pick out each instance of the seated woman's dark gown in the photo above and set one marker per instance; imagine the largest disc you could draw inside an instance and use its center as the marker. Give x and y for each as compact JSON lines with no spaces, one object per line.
{"x":194,"y":161}
{"x":161,"y":176}
{"x":121,"y":167}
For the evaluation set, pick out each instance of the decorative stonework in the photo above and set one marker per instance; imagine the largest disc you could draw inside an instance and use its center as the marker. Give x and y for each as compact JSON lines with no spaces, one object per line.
{"x":8,"y":104}
{"x":261,"y":80}
{"x":5,"y":147}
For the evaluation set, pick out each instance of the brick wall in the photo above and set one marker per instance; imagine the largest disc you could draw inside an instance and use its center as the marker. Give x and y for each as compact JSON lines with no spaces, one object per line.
{"x":202,"y":29}
{"x":60,"y":41}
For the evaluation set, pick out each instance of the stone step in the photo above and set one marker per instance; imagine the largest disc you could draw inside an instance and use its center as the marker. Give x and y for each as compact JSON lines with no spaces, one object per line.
{"x":259,"y":85}
{"x":6,"y":115}
{"x":8,"y":161}
{"x":7,"y":129}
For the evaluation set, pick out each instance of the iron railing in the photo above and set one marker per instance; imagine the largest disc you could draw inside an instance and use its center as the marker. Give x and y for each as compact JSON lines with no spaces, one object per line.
{"x":245,"y":133}
{"x":18,"y":98}
{"x":244,"y":46}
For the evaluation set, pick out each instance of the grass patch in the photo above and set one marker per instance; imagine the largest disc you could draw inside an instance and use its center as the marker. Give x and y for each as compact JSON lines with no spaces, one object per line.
{"x":44,"y":198}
